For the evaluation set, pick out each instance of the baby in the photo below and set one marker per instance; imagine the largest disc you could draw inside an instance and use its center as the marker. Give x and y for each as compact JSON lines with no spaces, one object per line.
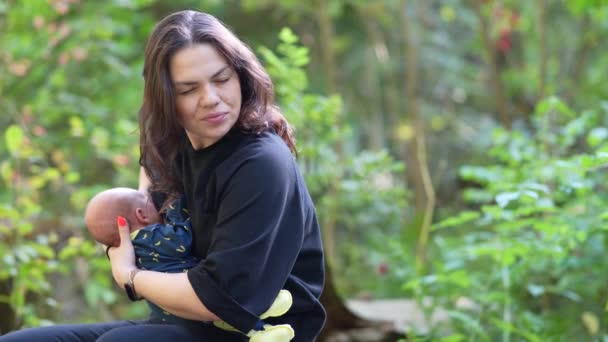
{"x":165,"y":247}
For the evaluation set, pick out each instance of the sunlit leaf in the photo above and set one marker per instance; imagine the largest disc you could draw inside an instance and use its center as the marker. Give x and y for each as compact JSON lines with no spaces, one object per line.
{"x":13,"y":137}
{"x":597,"y":136}
{"x":462,"y":218}
{"x":591,"y":322}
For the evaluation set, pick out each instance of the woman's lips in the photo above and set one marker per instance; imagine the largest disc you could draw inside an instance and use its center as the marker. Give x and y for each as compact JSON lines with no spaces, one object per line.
{"x":215,"y":117}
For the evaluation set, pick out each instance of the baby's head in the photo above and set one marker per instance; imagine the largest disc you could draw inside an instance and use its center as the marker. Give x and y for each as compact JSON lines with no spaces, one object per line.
{"x":103,"y":209}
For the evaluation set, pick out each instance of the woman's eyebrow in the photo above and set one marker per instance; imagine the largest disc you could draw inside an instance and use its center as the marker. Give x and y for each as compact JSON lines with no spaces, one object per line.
{"x":220,"y":71}
{"x":187,"y":83}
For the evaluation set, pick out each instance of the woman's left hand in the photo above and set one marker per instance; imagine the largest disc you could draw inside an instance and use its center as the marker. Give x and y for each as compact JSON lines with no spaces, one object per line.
{"x":122,"y":257}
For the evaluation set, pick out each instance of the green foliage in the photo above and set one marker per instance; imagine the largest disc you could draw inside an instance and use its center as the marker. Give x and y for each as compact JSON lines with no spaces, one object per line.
{"x":27,"y":257}
{"x":67,"y":133}
{"x":520,"y":260}
{"x":361,"y":194}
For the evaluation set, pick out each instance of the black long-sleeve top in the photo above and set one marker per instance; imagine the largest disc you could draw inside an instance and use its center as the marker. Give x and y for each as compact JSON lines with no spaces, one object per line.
{"x":255,"y":230}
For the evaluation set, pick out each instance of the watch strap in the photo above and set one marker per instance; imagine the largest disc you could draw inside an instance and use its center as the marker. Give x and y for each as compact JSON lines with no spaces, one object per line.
{"x":130,"y":286}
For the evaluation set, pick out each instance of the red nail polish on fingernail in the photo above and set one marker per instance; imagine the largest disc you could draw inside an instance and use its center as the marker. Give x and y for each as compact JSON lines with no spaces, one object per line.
{"x":121,"y":221}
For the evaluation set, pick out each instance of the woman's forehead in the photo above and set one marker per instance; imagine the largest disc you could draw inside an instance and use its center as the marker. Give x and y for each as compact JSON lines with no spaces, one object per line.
{"x":196,"y":62}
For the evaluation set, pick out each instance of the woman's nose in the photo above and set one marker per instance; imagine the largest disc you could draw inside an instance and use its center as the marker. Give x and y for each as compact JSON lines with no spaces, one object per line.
{"x":209,"y":97}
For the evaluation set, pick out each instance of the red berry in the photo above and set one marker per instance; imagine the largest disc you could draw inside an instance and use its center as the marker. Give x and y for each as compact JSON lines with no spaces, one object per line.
{"x":504,"y":42}
{"x":382,"y":268}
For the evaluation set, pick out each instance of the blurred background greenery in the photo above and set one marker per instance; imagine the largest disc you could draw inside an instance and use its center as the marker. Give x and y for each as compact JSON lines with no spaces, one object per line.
{"x":455,"y":150}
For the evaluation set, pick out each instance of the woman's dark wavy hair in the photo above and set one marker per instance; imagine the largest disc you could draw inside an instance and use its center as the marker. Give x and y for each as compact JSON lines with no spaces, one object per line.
{"x":161,"y":135}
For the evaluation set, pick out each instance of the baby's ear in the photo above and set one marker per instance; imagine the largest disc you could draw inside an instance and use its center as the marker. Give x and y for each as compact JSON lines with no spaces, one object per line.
{"x":140,"y":215}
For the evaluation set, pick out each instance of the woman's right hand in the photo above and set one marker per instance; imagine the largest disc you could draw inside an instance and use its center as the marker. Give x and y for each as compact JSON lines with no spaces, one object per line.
{"x":122,"y":257}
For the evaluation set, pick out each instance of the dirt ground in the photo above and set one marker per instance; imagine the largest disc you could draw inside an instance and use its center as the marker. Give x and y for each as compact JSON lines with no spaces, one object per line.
{"x":401,"y":316}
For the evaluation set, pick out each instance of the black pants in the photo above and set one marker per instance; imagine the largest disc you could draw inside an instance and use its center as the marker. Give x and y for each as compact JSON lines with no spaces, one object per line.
{"x":122,"y":331}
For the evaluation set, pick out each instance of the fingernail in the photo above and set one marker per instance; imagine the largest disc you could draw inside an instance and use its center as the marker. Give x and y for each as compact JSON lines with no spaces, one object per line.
{"x":121,"y":221}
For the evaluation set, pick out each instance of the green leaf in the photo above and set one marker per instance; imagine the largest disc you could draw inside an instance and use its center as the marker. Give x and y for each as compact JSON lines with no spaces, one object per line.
{"x":505,"y":198}
{"x":77,"y":126}
{"x":287,"y":36}
{"x":72,"y":177}
{"x":469,"y":321}
{"x":597,"y":136}
{"x":463,"y":217}
{"x":451,"y":338}
{"x":13,"y":137}
{"x":536,"y":290}
{"x":508,"y":326}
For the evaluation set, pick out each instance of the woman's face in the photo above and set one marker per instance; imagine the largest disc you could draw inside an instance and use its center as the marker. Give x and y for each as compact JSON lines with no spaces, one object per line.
{"x":207,"y":94}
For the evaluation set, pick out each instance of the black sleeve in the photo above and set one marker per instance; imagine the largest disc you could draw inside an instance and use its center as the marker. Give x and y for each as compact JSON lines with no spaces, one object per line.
{"x":256,"y":240}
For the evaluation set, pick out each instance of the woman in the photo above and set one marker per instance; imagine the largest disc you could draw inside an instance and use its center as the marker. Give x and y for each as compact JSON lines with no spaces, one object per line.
{"x":210,"y":131}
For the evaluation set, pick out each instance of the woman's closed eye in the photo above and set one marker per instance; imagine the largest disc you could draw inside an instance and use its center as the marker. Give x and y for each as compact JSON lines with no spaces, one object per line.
{"x":222,"y":80}
{"x":190,"y":90}
{"x":187,"y":91}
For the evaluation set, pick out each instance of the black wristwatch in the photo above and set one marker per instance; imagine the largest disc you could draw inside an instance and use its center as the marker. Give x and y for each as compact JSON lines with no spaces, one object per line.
{"x":130,"y":286}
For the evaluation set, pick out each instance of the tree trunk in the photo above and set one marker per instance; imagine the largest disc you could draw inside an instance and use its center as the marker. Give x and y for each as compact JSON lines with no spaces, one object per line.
{"x":491,"y":57}
{"x":408,"y":143}
{"x":326,"y":35}
{"x":327,"y":53}
{"x":339,"y":316}
{"x":371,"y":88}
{"x":7,"y":314}
{"x":580,"y":58}
{"x":417,"y":146}
{"x":542,"y":51}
